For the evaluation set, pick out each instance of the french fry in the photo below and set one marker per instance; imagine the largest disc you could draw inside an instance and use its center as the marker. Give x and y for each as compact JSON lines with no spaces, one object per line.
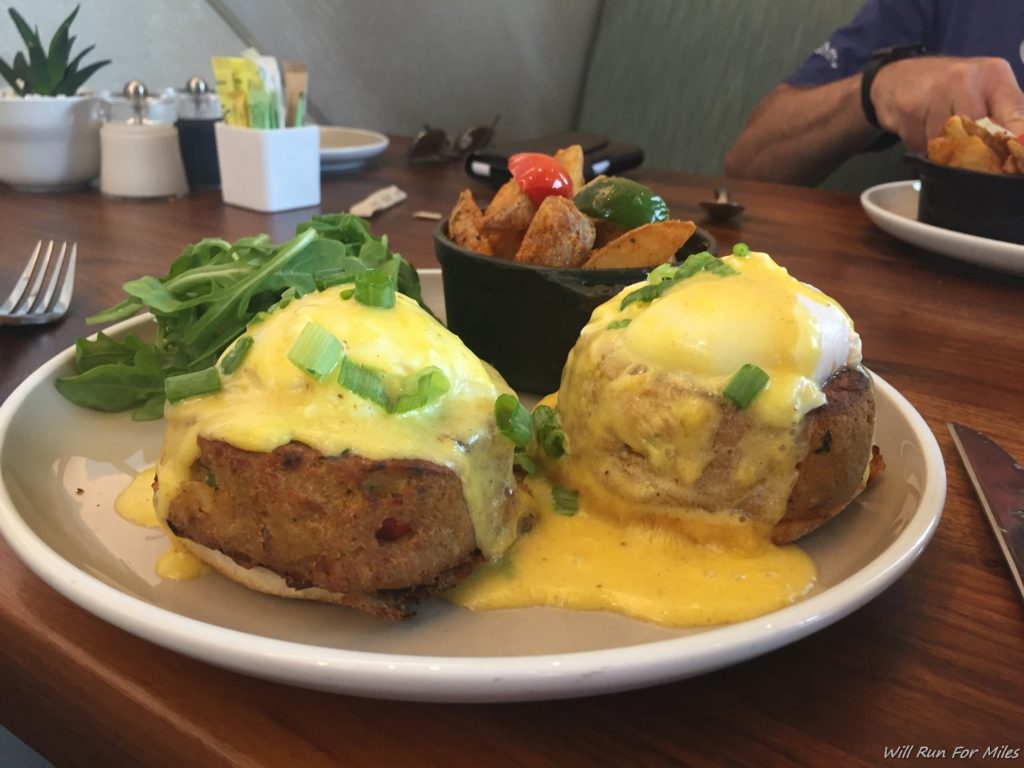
{"x":464,"y":225}
{"x":506,"y":220}
{"x":646,"y":246}
{"x":559,"y":235}
{"x":571,"y":159}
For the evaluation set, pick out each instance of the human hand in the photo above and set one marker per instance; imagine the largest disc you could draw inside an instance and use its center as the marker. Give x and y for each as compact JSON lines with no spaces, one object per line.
{"x":914,"y":97}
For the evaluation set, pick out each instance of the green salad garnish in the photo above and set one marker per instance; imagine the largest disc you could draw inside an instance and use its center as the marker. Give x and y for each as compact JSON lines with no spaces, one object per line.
{"x":213,"y":291}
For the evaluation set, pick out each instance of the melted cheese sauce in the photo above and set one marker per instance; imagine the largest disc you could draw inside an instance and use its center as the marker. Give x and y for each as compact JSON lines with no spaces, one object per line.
{"x":268,"y":402}
{"x":588,"y":563}
{"x":135,"y":504}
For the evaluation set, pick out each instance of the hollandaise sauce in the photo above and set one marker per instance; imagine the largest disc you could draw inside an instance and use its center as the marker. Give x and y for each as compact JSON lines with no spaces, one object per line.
{"x":267,"y":402}
{"x":588,"y":562}
{"x":135,"y":504}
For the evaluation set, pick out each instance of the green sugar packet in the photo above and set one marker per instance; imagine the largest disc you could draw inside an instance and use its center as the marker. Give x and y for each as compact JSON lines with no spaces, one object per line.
{"x":261,"y":109}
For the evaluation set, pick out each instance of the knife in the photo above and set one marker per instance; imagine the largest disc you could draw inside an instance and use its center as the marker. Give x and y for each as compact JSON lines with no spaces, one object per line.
{"x":999,"y":482}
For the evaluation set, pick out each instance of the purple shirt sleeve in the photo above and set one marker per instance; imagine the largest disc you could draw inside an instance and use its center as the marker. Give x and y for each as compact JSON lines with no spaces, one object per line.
{"x":878,"y":24}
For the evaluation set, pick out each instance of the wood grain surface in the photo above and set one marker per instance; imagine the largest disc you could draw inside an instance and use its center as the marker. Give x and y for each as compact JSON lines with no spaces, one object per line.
{"x":937,"y":660}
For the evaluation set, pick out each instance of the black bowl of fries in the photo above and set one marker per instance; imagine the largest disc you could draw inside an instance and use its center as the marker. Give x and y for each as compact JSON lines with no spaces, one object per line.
{"x":972,"y":181}
{"x":522,"y":318}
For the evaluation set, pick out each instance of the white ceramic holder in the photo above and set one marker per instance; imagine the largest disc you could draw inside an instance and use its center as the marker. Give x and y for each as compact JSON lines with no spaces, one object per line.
{"x":269,"y":170}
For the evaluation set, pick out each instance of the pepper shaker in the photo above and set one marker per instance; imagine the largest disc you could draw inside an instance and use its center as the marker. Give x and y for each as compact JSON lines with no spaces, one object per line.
{"x":198,"y":110}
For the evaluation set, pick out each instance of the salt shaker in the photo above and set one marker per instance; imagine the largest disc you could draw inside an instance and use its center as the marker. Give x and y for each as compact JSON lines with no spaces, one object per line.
{"x":139,"y":152}
{"x":198,"y":110}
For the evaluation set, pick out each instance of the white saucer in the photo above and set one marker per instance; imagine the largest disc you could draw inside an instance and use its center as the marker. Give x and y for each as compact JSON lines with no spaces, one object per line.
{"x":893,"y":207}
{"x":345,"y":148}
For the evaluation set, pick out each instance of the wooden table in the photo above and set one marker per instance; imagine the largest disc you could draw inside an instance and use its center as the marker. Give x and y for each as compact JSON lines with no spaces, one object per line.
{"x":937,"y":660}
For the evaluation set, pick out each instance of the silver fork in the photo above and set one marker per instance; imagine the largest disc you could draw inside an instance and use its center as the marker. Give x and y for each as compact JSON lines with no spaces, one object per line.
{"x":24,"y":305}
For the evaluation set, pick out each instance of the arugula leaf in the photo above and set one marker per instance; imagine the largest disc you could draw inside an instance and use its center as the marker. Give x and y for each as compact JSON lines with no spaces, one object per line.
{"x":212,"y":291}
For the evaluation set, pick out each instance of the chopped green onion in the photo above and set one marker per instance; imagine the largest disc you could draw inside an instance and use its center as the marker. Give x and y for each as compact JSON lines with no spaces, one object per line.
{"x":376,"y":288}
{"x":522,"y":459}
{"x":665,"y":276}
{"x":235,"y":355}
{"x":614,"y":324}
{"x":661,"y":273}
{"x":315,"y":351}
{"x":745,"y":385}
{"x":364,"y":381}
{"x":703,"y":262}
{"x":348,"y":293}
{"x":328,"y":278}
{"x":258,"y":318}
{"x":646,"y":294}
{"x":548,"y":429}
{"x":741,"y":249}
{"x":566,"y":502}
{"x":513,"y":420}
{"x":420,"y":389}
{"x":204,"y":382}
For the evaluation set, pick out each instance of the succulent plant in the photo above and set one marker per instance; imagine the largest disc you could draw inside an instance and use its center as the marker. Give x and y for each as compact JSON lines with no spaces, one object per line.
{"x":48,"y":72}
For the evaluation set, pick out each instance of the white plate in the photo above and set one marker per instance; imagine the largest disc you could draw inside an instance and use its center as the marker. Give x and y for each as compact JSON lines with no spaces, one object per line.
{"x":893,"y":207}
{"x":345,"y":148}
{"x":49,"y":449}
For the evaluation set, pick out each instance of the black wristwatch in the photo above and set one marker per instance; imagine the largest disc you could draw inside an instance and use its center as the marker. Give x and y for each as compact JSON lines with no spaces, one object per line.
{"x":879,"y":59}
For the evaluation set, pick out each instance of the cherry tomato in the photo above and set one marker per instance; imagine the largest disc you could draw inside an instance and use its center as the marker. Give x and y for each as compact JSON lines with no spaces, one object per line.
{"x":539,"y":176}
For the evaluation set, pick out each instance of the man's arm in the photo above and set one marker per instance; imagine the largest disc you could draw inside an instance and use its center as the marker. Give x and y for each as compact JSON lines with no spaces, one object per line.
{"x":800,"y":135}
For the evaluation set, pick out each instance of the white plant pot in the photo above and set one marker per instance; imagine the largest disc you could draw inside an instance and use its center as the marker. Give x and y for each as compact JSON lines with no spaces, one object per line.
{"x":49,"y":143}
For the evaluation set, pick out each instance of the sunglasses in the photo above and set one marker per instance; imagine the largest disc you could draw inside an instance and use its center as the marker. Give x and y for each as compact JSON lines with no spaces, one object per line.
{"x":432,"y":145}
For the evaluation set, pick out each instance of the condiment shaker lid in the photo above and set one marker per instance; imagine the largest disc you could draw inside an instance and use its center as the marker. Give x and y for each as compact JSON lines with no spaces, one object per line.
{"x":197,"y":102}
{"x":136,"y":105}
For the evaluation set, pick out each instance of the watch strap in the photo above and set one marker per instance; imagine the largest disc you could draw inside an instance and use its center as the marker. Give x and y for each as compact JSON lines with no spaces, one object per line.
{"x":879,"y":59}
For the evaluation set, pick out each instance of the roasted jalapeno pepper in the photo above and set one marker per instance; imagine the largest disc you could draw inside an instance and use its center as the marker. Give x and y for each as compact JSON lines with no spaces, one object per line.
{"x":621,"y":201}
{"x":539,"y":176}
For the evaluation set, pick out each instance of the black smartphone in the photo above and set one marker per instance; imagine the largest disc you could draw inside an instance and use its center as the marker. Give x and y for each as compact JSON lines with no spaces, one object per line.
{"x":600,"y":156}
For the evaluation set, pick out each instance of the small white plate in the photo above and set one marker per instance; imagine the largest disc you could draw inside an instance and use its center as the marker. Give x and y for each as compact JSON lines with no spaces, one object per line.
{"x":62,"y":466}
{"x":345,"y":148}
{"x":893,"y":207}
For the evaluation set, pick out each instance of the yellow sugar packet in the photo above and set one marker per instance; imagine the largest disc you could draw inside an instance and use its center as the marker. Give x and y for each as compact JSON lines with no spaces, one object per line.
{"x":236,"y":78}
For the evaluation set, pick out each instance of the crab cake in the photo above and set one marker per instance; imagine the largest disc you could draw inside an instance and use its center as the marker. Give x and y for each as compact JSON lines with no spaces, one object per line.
{"x":351,"y":456}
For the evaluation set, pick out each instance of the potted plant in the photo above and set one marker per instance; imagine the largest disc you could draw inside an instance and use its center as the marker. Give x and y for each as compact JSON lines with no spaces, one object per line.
{"x":49,"y":132}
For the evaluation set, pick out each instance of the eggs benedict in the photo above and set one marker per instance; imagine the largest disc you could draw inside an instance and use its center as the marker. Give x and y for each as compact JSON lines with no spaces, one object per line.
{"x":347,"y":452}
{"x":724,"y":400}
{"x":711,"y":415}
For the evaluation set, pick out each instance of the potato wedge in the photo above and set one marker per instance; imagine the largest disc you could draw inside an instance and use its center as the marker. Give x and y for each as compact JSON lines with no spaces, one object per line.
{"x":941,"y":149}
{"x":975,"y":155}
{"x":559,"y":235}
{"x":464,"y":225}
{"x":1015,"y":160}
{"x":506,"y":220}
{"x":646,"y":246}
{"x":607,"y":231}
{"x":571,"y":159}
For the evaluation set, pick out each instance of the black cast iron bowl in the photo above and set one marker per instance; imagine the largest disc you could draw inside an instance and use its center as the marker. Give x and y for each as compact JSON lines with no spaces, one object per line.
{"x":524,"y":319}
{"x":984,"y":204}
